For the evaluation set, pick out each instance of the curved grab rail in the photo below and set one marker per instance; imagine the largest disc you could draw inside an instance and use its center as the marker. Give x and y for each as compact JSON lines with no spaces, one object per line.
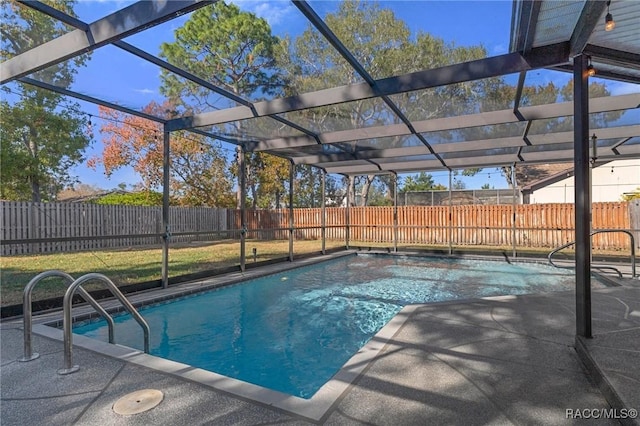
{"x":66,"y":323}
{"x":602,"y":231}
{"x":27,"y":312}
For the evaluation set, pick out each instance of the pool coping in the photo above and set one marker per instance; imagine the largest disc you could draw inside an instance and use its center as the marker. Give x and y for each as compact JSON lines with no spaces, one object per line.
{"x":314,"y":408}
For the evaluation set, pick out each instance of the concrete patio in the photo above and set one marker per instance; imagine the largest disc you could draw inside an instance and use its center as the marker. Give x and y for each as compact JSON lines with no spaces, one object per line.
{"x":501,"y":360}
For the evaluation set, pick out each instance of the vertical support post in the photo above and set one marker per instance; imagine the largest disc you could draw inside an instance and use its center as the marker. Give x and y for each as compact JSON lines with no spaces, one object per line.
{"x":395,"y":212}
{"x":582,"y":195}
{"x":292,"y":172}
{"x":513,"y":207}
{"x":324,"y":212}
{"x":592,"y":165}
{"x":450,"y":212}
{"x":243,"y":214}
{"x":347,"y":213}
{"x":166,"y":169}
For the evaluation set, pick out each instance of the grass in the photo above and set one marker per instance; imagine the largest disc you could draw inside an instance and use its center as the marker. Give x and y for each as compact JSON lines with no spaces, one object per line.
{"x":144,"y":264}
{"x":133,"y":265}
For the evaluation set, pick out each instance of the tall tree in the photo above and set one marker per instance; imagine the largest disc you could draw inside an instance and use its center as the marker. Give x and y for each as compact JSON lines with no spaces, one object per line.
{"x":272,"y":176}
{"x":199,"y":170}
{"x":422,"y":182}
{"x":384,"y":45}
{"x":236,"y":51}
{"x":42,"y":133}
{"x":308,"y":188}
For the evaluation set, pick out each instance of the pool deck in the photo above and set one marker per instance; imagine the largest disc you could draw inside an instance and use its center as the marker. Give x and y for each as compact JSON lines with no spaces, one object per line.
{"x":501,"y":360}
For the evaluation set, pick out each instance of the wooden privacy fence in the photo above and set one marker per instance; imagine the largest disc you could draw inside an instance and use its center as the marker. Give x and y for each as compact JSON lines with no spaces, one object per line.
{"x":536,"y":225}
{"x":274,"y":224}
{"x":60,"y":227}
{"x":64,"y":227}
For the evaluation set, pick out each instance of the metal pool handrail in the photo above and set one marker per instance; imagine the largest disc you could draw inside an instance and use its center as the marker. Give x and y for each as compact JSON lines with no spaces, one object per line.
{"x":602,"y":231}
{"x":27,"y":310}
{"x":67,"y":320}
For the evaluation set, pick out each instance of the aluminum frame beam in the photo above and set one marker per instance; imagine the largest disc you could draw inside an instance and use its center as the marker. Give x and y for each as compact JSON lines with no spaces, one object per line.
{"x":166,"y":175}
{"x":544,"y":157}
{"x":509,"y":63}
{"x":567,"y":155}
{"x":524,"y":30}
{"x":207,"y":85}
{"x":518,"y":96}
{"x":55,"y":14}
{"x":179,"y":71}
{"x":90,"y":99}
{"x":473,"y":145}
{"x":538,"y":112}
{"x":606,"y":73}
{"x":582,"y":197}
{"x":123,"y":23}
{"x":324,"y":29}
{"x":70,"y":20}
{"x":614,"y":57}
{"x":589,"y":18}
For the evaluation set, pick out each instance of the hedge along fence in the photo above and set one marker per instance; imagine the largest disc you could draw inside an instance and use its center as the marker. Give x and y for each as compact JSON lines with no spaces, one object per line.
{"x":61,"y":227}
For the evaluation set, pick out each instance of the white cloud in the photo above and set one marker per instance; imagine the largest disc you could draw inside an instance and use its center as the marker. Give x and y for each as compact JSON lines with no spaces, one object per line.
{"x":274,"y":12}
{"x":500,"y":49}
{"x":145,"y":91}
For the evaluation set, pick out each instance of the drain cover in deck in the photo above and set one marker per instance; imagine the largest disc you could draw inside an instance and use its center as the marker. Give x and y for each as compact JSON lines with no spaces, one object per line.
{"x":138,"y":402}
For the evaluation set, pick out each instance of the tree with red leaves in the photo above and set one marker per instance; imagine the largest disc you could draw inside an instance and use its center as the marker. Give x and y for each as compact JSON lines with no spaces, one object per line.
{"x":199,"y":172}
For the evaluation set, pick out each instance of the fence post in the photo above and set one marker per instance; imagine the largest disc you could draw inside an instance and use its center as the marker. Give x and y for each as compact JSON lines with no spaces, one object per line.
{"x":395,"y":212}
{"x":513,"y":204}
{"x":347,"y":214}
{"x":450,"y":213}
{"x":324,"y":210}
{"x":633,"y":208}
{"x":292,"y":172}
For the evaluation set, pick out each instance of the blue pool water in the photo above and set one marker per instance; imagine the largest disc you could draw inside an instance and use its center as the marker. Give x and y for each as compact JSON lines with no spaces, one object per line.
{"x":294,"y":330}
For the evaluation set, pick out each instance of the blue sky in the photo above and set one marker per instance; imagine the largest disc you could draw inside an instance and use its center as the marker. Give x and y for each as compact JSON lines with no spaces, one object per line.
{"x":119,"y":77}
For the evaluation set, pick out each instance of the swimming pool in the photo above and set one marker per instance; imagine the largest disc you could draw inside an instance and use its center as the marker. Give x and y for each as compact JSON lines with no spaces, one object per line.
{"x":293,"y":330}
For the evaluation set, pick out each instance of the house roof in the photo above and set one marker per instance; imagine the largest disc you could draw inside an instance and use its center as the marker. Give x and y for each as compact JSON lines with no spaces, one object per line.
{"x":546,"y":34}
{"x":70,"y":196}
{"x":533,"y":176}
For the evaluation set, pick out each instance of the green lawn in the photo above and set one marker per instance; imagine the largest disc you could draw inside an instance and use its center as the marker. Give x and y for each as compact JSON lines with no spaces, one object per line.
{"x":133,"y":265}
{"x":128,"y":266}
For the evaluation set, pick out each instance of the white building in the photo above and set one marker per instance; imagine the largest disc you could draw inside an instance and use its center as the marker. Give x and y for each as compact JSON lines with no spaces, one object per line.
{"x":609,"y":181}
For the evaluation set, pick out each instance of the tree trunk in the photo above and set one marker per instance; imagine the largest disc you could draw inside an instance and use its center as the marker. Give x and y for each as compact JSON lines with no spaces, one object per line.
{"x":254,"y":195}
{"x":365,"y":189}
{"x":391,"y":188}
{"x":35,"y":190}
{"x":239,"y":190}
{"x":506,"y":172}
{"x":34,"y":178}
{"x":351,"y":188}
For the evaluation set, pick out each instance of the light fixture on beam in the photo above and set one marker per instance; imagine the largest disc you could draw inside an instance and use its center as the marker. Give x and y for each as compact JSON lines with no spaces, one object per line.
{"x":591,"y":71}
{"x":609,"y":23}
